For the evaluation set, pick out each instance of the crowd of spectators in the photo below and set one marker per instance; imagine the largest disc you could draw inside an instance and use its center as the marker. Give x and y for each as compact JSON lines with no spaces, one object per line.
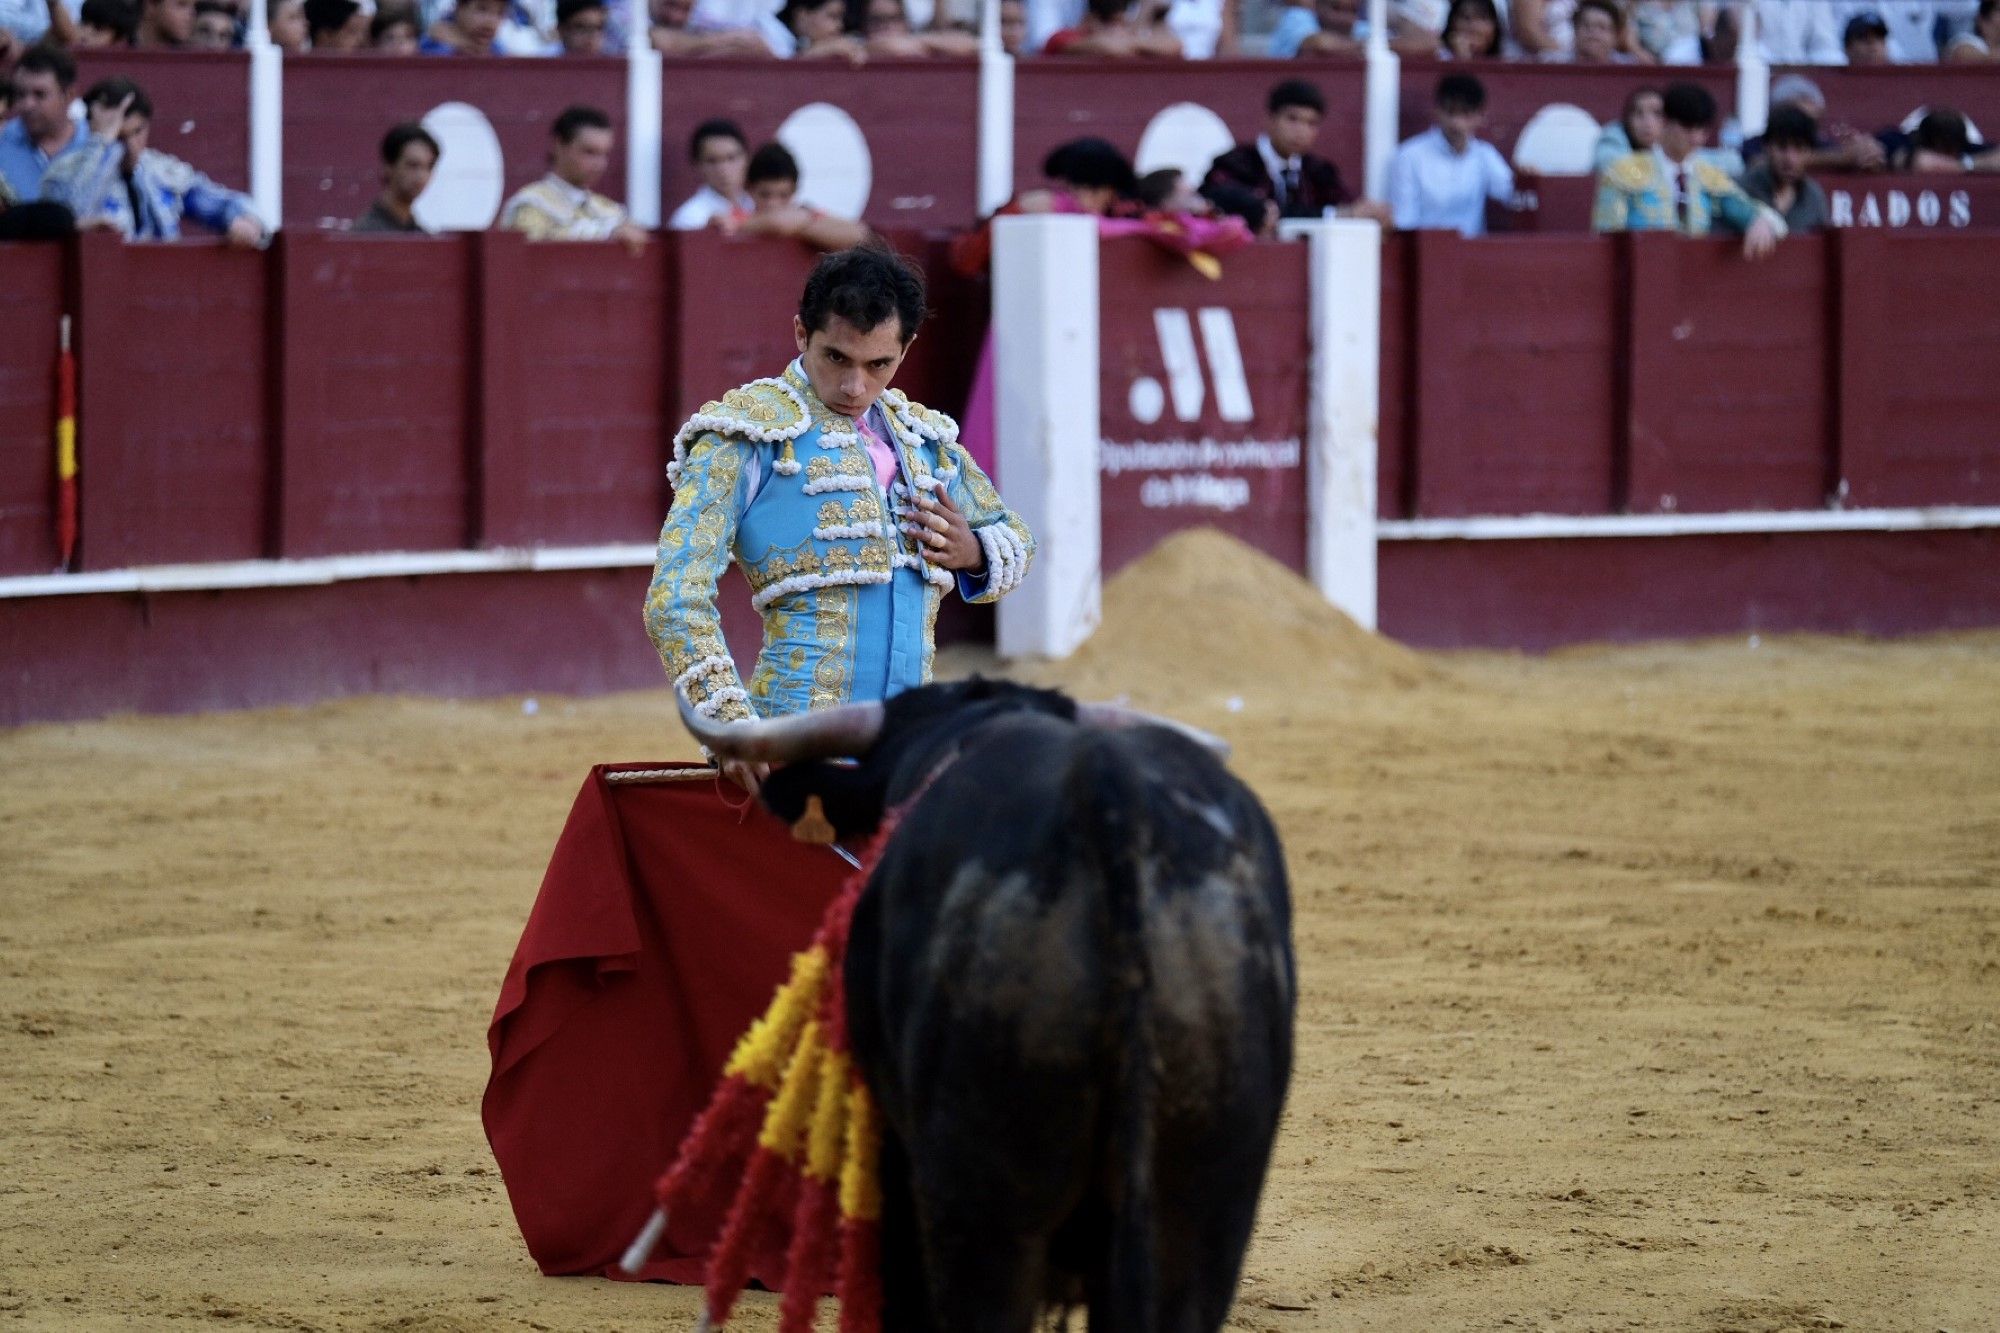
{"x":1664,"y":32}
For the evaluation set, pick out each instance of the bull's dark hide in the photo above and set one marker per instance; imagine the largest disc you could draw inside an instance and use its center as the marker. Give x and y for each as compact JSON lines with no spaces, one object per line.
{"x":1070,"y":986}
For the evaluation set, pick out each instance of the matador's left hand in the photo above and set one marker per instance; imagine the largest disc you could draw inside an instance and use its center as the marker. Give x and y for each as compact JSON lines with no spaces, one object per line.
{"x":945,"y":535}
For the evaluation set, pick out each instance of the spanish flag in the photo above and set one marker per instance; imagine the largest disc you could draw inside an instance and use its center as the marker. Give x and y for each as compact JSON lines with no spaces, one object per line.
{"x":65,"y":450}
{"x":787,"y":1150}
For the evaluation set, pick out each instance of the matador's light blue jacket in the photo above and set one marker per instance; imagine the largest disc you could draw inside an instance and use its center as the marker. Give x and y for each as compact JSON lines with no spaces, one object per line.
{"x":777,"y":481}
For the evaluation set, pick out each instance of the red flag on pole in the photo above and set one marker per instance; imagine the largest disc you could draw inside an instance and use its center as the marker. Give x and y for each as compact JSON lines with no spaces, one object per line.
{"x":66,"y":449}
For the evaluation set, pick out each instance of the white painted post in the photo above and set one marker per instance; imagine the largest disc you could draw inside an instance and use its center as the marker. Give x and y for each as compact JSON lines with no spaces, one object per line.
{"x":1345,"y":268}
{"x":267,"y":121}
{"x":1382,"y":110}
{"x":1753,"y":76}
{"x":1045,"y":372}
{"x":996,"y":114}
{"x":644,"y":81}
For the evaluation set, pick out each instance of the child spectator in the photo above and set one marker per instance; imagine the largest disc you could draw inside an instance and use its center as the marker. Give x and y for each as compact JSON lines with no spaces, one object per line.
{"x":337,"y":25}
{"x":1671,"y":189}
{"x":580,"y":26}
{"x":1108,"y":31}
{"x":719,"y":152}
{"x":41,"y":132}
{"x":469,"y":30}
{"x":117,"y":182}
{"x":1443,"y":177}
{"x":1280,"y":170}
{"x":286,"y":20}
{"x":774,"y":185}
{"x":165,"y":24}
{"x":1636,"y":130}
{"x":214,"y":27}
{"x":1982,"y":44}
{"x":409,"y":155}
{"x":1473,"y":31}
{"x":1779,"y":177}
{"x":1865,"y":41}
{"x":393,"y":32}
{"x":563,"y":206}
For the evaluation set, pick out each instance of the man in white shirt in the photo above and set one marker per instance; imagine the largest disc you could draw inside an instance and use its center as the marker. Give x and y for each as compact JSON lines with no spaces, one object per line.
{"x":1443,"y":177}
{"x":722,"y":155}
{"x":1799,"y":32}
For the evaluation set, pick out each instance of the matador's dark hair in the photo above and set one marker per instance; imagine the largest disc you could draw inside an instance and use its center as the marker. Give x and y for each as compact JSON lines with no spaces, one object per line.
{"x":864,"y":286}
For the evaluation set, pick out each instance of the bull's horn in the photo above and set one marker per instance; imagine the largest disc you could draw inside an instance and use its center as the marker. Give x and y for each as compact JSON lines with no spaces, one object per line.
{"x":1118,"y":715}
{"x":844,"y":731}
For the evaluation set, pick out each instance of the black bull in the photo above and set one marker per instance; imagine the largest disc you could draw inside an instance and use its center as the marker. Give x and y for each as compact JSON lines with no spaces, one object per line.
{"x":1070,"y":987}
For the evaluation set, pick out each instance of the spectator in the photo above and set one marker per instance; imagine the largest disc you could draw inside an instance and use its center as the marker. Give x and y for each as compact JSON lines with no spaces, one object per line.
{"x":470,"y":29}
{"x":1013,"y":26}
{"x":1319,"y":27}
{"x":886,"y":25}
{"x":562,"y":205}
{"x":1941,"y":142}
{"x":1280,"y":171}
{"x":1866,"y":40}
{"x":719,"y":153}
{"x":580,"y":26}
{"x":337,"y":25}
{"x":33,"y":220}
{"x":1636,"y":130}
{"x":1597,"y":34}
{"x":214,"y":27}
{"x":1982,"y":44}
{"x":41,"y":132}
{"x":774,"y":187}
{"x":163,"y":24}
{"x":117,"y":182}
{"x":23,"y":23}
{"x":1473,"y":31}
{"x":1090,"y":175}
{"x":1911,"y":26}
{"x":286,"y":20}
{"x":818,"y":30}
{"x":409,"y":155}
{"x":1672,"y":189}
{"x":1791,"y":32}
{"x":1545,"y":29}
{"x":1169,"y":192}
{"x":1443,"y":177}
{"x":1779,"y":178}
{"x":1840,"y":147}
{"x":393,"y":32}
{"x":1108,"y":31}
{"x":1671,"y":32}
{"x":673,"y":36}
{"x":107,"y":23}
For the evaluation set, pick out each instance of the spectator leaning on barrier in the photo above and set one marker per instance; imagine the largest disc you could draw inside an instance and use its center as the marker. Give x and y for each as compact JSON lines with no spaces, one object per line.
{"x":1670,"y":188}
{"x":1840,"y":147}
{"x":562,"y":206}
{"x":1865,"y":41}
{"x":1280,"y":169}
{"x":1473,"y":30}
{"x":1982,"y":44}
{"x":165,"y":24}
{"x":117,"y":182}
{"x":720,"y":153}
{"x":774,"y":186}
{"x":886,"y":25}
{"x":1779,"y":177}
{"x":1109,"y":31}
{"x":672,"y":34}
{"x":41,"y":132}
{"x":819,"y":31}
{"x":470,"y":29}
{"x":580,"y":26}
{"x":1443,"y":177}
{"x":409,"y":155}
{"x":1319,"y":27}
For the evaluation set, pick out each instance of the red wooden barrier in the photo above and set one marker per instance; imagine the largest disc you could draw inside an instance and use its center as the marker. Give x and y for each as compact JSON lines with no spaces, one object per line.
{"x":907,"y":147}
{"x":1059,"y":100}
{"x":1920,"y":395}
{"x":1869,"y":203}
{"x":31,"y":309}
{"x":201,"y":103}
{"x":1873,"y":98}
{"x":1515,"y":396}
{"x":338,"y":107}
{"x":573,"y":376}
{"x":1516,"y":90}
{"x":171,"y":405}
{"x":1727,"y":405}
{"x":1202,"y":398}
{"x":1395,"y":467}
{"x":376,"y":339}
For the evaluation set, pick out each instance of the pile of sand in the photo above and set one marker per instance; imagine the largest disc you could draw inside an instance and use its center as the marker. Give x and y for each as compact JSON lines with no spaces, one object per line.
{"x":1205,"y":616}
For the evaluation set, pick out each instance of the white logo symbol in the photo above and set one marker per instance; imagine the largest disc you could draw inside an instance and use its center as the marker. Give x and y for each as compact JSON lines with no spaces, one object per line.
{"x":1148,"y":400}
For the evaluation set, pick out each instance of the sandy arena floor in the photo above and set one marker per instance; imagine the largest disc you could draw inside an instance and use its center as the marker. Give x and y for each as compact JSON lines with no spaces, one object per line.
{"x":1652,"y":988}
